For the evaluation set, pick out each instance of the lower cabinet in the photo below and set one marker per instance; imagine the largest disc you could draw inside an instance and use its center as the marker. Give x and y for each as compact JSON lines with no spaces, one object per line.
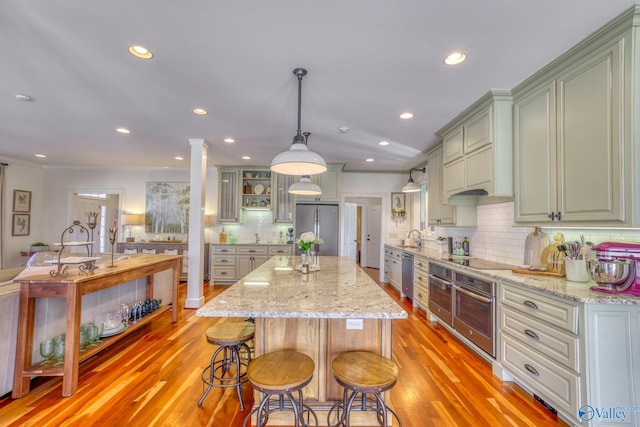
{"x":232,"y":262}
{"x":583,"y":359}
{"x":395,"y":268}
{"x":540,"y":346}
{"x":169,"y":249}
{"x":421,"y":281}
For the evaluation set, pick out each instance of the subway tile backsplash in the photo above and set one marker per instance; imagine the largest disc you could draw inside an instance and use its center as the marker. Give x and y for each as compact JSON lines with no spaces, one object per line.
{"x":497,"y":239}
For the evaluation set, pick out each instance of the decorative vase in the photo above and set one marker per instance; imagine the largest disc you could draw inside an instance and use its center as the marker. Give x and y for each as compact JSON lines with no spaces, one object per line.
{"x":305,"y":260}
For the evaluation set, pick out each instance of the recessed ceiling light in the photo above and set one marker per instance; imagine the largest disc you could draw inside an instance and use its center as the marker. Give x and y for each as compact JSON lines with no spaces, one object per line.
{"x":140,"y":52}
{"x":383,"y":143}
{"x":343,"y":129}
{"x":200,"y":111}
{"x":455,"y":58}
{"x":406,"y":116}
{"x":246,"y":158}
{"x":370,"y":160}
{"x":179,"y":158}
{"x":42,"y":156}
{"x":229,"y":140}
{"x":24,"y":98}
{"x":123,"y":130}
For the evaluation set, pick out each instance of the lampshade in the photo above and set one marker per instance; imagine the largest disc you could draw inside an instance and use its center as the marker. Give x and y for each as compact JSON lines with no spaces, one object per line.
{"x":305,"y":187}
{"x":132,"y":219}
{"x":411,"y":186}
{"x":298,"y":159}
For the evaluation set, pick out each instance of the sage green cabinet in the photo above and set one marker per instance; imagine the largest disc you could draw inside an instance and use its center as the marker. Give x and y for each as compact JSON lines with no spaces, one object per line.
{"x":569,"y":140}
{"x":329,"y":182}
{"x":228,"y":199}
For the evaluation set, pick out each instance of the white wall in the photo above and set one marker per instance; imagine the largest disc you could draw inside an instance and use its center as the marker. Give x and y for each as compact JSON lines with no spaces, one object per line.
{"x":22,"y":175}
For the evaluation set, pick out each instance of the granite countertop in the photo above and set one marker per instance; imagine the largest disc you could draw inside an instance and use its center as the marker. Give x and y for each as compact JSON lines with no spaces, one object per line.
{"x":557,"y":286}
{"x":340,"y":289}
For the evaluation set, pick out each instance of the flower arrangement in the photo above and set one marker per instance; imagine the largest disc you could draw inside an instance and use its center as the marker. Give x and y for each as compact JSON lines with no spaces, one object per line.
{"x":308,"y":239}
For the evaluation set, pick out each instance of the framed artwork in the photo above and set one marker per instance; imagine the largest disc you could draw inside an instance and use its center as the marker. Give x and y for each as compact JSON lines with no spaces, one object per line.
{"x":22,"y":201}
{"x":398,"y":204}
{"x":167,"y":207}
{"x":21,"y":224}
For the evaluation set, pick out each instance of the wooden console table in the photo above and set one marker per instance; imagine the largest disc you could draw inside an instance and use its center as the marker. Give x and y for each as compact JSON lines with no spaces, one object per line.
{"x":72,"y":288}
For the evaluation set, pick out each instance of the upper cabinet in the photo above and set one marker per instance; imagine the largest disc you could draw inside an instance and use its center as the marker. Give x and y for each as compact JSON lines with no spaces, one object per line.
{"x":438,"y":212}
{"x":477,"y":148}
{"x":283,"y":201}
{"x":577,"y":133}
{"x":228,"y":196}
{"x":329,"y":182}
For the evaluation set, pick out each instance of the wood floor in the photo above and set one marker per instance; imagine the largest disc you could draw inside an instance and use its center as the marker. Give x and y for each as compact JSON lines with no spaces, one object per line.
{"x":152,"y":378}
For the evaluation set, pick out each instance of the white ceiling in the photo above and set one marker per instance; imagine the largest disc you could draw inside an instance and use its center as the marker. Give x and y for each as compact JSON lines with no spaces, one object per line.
{"x":368,"y":61}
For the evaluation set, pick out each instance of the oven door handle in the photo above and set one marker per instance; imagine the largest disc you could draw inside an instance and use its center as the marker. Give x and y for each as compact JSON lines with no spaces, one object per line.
{"x":473,"y":295}
{"x":442,"y":284}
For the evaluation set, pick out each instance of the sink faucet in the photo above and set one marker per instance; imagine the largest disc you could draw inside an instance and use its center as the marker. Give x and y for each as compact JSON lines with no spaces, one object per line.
{"x":418,"y":239}
{"x":257,"y":237}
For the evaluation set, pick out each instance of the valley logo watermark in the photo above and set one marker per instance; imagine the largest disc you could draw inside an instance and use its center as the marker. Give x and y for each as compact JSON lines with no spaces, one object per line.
{"x":619,"y":413}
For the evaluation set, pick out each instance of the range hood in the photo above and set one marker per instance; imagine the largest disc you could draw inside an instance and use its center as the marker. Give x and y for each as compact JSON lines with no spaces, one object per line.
{"x":474,"y":198}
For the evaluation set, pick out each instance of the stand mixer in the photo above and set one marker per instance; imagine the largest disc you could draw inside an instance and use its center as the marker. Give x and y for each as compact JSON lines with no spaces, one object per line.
{"x":617,"y":268}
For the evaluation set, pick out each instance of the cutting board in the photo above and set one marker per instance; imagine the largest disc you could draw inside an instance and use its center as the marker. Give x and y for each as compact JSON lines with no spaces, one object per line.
{"x":537,"y":272}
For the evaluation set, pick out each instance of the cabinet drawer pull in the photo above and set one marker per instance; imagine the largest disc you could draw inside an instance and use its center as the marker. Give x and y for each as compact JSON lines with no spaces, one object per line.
{"x":223,"y":273}
{"x":224,"y":260}
{"x":252,"y":251}
{"x":530,"y":304}
{"x":531,"y":369}
{"x":530,"y":333}
{"x":224,"y":250}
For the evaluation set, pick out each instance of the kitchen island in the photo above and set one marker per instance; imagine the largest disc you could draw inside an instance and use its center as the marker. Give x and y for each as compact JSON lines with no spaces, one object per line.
{"x":321,"y":314}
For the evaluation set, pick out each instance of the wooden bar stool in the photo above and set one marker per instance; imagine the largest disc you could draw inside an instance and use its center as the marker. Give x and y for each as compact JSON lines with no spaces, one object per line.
{"x":362,"y":372}
{"x":281,"y":373}
{"x":231,"y":337}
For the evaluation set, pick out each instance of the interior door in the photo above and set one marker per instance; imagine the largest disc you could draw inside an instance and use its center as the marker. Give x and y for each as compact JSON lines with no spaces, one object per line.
{"x":373,"y":236}
{"x":350,"y":219}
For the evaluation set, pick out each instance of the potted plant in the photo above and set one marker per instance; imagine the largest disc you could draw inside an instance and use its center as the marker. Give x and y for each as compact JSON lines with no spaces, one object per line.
{"x":39,"y":247}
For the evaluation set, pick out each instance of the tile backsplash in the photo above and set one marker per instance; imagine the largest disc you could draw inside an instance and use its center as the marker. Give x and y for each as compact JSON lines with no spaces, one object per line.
{"x":497,"y":239}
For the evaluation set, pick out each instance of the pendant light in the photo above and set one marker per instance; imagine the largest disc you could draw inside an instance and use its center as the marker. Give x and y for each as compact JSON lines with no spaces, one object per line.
{"x":298,"y":159}
{"x":411,"y":186}
{"x":305,"y":186}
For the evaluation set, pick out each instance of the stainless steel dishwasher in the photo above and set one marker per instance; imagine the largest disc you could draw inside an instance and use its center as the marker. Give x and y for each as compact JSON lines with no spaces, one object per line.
{"x":407,"y":275}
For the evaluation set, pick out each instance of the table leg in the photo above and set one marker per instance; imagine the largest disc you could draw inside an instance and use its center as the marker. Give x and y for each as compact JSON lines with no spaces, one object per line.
{"x":72,"y":341}
{"x":176,"y":283}
{"x":24,"y":342}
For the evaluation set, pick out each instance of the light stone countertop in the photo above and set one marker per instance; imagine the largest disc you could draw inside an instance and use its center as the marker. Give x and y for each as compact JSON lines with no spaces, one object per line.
{"x":557,"y":286}
{"x":340,"y":289}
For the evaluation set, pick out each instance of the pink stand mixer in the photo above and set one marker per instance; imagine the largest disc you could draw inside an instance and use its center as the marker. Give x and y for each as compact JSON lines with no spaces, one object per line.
{"x":617,"y":268}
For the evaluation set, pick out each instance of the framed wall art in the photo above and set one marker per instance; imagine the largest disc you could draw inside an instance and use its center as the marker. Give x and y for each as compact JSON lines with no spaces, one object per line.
{"x":167,"y":208}
{"x":21,"y":224}
{"x":22,"y":201}
{"x":398,"y":205}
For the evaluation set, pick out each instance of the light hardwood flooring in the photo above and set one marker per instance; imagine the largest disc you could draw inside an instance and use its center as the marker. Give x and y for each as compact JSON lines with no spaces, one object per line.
{"x":152,"y":378}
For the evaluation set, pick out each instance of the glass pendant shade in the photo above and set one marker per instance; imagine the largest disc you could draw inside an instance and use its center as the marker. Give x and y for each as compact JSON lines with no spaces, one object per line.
{"x":305,"y":187}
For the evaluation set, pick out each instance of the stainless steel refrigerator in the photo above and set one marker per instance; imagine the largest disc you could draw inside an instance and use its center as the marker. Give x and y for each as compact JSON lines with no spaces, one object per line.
{"x":323,"y":220}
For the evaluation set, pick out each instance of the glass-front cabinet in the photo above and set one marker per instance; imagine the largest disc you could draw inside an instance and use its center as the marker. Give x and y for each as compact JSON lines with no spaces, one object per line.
{"x":228,"y":196}
{"x":284,"y":203}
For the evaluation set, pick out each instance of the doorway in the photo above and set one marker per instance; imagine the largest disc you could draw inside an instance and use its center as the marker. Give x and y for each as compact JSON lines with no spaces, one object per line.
{"x":363,"y":215}
{"x":107,"y":207}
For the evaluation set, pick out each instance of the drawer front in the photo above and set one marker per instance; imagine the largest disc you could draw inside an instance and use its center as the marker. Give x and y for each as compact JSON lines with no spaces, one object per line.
{"x":224,"y":273}
{"x":222,"y":250}
{"x":280,"y":250}
{"x":560,"y":346}
{"x":224,"y":260}
{"x":555,"y":384}
{"x":252,"y":250}
{"x":561,"y":314}
{"x":421,"y":295}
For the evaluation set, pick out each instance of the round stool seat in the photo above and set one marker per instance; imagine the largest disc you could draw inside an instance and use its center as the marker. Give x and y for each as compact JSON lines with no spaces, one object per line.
{"x":280,"y":371}
{"x":365,"y":371}
{"x":230,"y":333}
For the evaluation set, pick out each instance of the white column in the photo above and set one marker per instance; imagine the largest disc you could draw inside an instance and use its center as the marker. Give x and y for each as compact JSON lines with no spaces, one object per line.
{"x":198,"y":177}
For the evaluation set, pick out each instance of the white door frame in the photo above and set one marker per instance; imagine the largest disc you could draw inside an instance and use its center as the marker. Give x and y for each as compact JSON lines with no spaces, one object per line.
{"x":384,"y":207}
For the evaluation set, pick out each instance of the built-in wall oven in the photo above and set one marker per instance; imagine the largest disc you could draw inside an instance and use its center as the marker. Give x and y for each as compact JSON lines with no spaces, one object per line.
{"x":474,"y":310}
{"x":466,"y":302}
{"x":440,"y":292}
